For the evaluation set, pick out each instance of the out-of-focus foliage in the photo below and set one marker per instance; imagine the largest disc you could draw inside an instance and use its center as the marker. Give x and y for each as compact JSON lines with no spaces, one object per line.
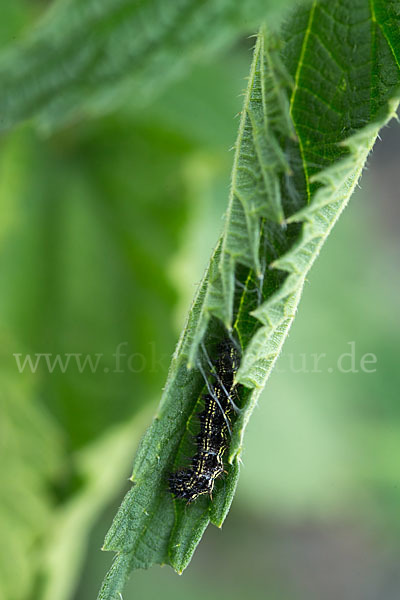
{"x":77,"y":277}
{"x":92,"y":223}
{"x":88,"y":57}
{"x":30,"y":458}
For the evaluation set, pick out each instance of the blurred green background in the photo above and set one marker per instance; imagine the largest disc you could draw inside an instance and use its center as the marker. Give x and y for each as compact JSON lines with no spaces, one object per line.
{"x":106,"y":229}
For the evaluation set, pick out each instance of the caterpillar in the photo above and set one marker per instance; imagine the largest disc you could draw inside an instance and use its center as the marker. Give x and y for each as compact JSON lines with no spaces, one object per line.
{"x":215,"y":428}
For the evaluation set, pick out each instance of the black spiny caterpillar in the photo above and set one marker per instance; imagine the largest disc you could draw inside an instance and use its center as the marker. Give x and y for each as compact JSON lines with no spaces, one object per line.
{"x":215,"y":428}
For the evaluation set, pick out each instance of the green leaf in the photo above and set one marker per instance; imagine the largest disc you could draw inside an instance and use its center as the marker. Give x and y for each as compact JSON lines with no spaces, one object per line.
{"x":76,"y":278}
{"x":30,"y":457}
{"x":71,"y":266}
{"x":316,"y":99}
{"x":90,"y":57}
{"x":64,"y":548}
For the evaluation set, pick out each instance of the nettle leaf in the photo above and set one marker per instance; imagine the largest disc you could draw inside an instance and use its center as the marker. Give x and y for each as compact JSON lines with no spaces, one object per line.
{"x":58,"y":426}
{"x":317,"y":96}
{"x":30,"y":457}
{"x":88,"y":57}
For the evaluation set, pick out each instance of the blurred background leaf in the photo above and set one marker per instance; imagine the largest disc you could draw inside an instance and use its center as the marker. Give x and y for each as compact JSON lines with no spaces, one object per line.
{"x":30,"y":458}
{"x":71,"y":266}
{"x":95,"y":231}
{"x":88,"y":58}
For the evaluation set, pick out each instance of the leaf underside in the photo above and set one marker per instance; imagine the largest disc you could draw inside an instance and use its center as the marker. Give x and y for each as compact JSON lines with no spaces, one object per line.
{"x":317,"y":96}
